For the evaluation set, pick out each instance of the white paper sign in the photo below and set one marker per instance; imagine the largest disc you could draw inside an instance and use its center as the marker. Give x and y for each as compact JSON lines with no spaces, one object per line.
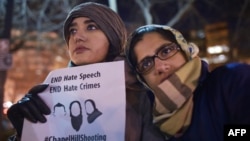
{"x":87,"y":104}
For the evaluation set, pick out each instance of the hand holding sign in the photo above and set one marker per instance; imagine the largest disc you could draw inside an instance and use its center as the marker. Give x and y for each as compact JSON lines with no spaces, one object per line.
{"x":92,"y":104}
{"x":30,"y":107}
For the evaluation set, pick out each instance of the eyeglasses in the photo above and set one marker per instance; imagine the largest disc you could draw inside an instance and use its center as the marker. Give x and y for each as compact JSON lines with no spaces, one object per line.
{"x":163,"y":53}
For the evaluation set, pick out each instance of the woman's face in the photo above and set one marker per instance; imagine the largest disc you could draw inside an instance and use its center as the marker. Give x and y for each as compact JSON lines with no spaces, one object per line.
{"x":150,"y":44}
{"x":87,"y":42}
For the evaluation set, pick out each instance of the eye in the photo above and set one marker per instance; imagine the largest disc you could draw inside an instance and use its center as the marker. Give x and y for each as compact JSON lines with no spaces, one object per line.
{"x":145,"y":64}
{"x":72,"y":31}
{"x":165,"y":51}
{"x":92,"y":27}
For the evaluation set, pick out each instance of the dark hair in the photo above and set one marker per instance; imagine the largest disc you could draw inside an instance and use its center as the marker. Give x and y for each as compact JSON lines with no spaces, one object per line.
{"x":108,"y":21}
{"x":137,"y":35}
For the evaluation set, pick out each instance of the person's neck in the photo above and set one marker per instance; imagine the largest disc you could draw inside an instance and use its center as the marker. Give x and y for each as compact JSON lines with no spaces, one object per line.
{"x":71,"y":64}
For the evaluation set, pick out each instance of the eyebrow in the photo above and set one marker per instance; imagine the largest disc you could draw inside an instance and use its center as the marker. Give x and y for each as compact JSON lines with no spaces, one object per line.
{"x":157,"y":50}
{"x":162,"y":46}
{"x":85,"y":22}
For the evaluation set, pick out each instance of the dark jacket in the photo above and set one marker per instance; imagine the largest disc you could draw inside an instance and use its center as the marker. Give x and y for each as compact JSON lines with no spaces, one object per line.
{"x":222,"y":98}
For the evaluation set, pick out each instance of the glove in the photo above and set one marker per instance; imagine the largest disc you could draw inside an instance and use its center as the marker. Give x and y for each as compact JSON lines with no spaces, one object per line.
{"x":31,"y":107}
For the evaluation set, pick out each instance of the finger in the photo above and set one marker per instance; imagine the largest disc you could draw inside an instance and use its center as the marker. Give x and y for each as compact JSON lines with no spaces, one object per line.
{"x":42,"y":106}
{"x":26,"y":111}
{"x":31,"y":113}
{"x":38,"y":88}
{"x":36,"y":112}
{"x":37,"y":100}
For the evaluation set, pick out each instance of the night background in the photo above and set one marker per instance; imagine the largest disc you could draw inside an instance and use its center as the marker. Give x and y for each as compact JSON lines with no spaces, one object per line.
{"x":33,"y":29}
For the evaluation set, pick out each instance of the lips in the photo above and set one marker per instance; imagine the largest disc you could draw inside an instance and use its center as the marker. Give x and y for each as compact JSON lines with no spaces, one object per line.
{"x":80,"y":49}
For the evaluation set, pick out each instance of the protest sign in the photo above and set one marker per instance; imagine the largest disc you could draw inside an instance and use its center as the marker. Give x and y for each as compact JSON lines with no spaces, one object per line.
{"x":87,"y":103}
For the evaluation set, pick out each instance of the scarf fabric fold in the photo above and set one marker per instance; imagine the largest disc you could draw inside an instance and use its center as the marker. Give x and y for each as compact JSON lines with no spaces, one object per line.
{"x":174,"y":99}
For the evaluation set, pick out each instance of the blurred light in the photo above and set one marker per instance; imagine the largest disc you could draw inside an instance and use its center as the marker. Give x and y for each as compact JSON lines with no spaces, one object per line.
{"x":6,"y":106}
{"x":200,"y":34}
{"x":39,"y":72}
{"x":15,"y":32}
{"x":216,"y":59}
{"x":59,"y":59}
{"x":217,"y":49}
{"x":219,"y":59}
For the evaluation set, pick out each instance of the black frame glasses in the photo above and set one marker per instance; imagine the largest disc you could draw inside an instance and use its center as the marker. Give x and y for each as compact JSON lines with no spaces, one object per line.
{"x":163,"y":53}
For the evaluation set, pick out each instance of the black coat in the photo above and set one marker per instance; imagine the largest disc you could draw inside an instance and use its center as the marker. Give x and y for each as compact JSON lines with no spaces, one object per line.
{"x":222,"y":98}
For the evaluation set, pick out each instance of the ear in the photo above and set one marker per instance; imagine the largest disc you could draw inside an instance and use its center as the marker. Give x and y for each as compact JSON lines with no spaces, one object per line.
{"x":193,"y":50}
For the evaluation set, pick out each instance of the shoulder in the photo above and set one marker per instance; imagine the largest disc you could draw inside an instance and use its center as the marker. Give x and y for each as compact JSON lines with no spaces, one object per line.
{"x":235,"y":66}
{"x":232,"y":70}
{"x":233,"y":80}
{"x":230,"y":78}
{"x":228,"y":92}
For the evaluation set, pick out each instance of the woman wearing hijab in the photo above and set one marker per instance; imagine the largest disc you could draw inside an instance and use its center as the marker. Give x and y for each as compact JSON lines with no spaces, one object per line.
{"x":94,"y":33}
{"x":190,"y":102}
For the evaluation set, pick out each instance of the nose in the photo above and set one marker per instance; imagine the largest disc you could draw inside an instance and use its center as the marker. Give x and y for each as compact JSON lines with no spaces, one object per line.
{"x":80,"y":36}
{"x":160,"y":65}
